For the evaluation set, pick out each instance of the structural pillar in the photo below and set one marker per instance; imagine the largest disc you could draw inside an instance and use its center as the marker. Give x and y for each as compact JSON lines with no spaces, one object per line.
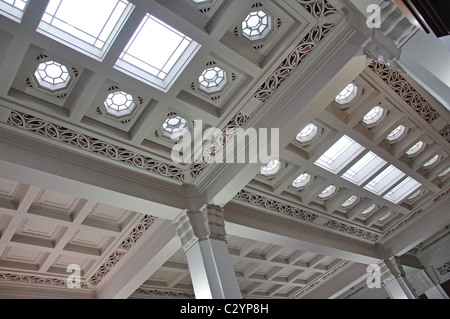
{"x":397,"y":285}
{"x":203,"y":237}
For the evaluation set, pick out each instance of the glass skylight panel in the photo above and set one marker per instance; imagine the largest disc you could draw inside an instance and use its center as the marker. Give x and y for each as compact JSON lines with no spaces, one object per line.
{"x":174,"y":127}
{"x":370,"y":209}
{"x":364,"y":168}
{"x":85,"y":25}
{"x":396,"y":134}
{"x":349,"y":202}
{"x":385,"y":217}
{"x":399,"y":192}
{"x":416,"y":148}
{"x":444,"y":172}
{"x":414,"y":195}
{"x":385,"y":180}
{"x":432,"y":161}
{"x":339,"y":155}
{"x":256,"y":25}
{"x":327,"y":192}
{"x":374,"y":115}
{"x":307,"y":134}
{"x":13,"y":9}
{"x":156,"y":53}
{"x":302,"y":180}
{"x":271,"y":168}
{"x":347,"y":95}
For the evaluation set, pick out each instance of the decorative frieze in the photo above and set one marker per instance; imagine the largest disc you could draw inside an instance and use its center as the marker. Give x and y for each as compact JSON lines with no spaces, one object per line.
{"x":206,"y":223}
{"x":303,"y":215}
{"x":413,"y":98}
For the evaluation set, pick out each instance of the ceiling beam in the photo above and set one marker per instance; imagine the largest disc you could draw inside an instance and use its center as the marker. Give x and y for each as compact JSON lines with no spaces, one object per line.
{"x":283,"y":231}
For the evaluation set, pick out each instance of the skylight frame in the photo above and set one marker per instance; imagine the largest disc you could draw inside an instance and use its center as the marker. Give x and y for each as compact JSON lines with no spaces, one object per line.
{"x":402,"y":190}
{"x":13,"y":9}
{"x":143,"y":71}
{"x":368,"y":165}
{"x":76,"y":42}
{"x":384,"y":180}
{"x":339,"y":155}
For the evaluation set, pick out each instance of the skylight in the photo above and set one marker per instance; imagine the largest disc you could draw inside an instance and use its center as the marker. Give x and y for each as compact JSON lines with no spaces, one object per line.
{"x":256,"y":25}
{"x":444,"y":172}
{"x":339,"y":155}
{"x":385,"y":217}
{"x":327,"y":192}
{"x":432,"y":161}
{"x":383,"y":181}
{"x":396,"y":134}
{"x":212,"y":79}
{"x":85,"y":25}
{"x":369,"y":210}
{"x":307,"y":134}
{"x":414,"y":195}
{"x":414,"y":150}
{"x":174,"y":127}
{"x":402,"y":190}
{"x":52,"y":75}
{"x":349,"y":202}
{"x":302,"y":180}
{"x":13,"y":9}
{"x":347,"y":95}
{"x":156,"y":54}
{"x":374,"y":115}
{"x":364,"y":168}
{"x":119,"y":103}
{"x":271,"y":168}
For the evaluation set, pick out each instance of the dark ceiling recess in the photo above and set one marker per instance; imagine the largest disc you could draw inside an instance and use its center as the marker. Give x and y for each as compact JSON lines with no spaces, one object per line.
{"x":433,"y":16}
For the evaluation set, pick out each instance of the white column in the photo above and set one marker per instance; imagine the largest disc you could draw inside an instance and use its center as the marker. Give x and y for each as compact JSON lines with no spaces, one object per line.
{"x":202,"y":234}
{"x":397,"y":286}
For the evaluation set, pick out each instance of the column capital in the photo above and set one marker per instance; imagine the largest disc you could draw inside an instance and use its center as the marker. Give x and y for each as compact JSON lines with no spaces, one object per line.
{"x":395,"y":267}
{"x":206,"y":223}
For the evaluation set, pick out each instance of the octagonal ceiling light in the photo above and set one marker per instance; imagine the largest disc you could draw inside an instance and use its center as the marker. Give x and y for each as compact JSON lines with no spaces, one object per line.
{"x":212,"y":79}
{"x":369,"y":210}
{"x":307,"y":134}
{"x":327,"y":192}
{"x":396,"y":134}
{"x":416,"y":148}
{"x":374,"y":115}
{"x":347,"y":95}
{"x":302,"y":180}
{"x":271,"y":168}
{"x":350,"y":201}
{"x":52,"y":75}
{"x":256,"y":25}
{"x":119,"y":103}
{"x":174,"y":127}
